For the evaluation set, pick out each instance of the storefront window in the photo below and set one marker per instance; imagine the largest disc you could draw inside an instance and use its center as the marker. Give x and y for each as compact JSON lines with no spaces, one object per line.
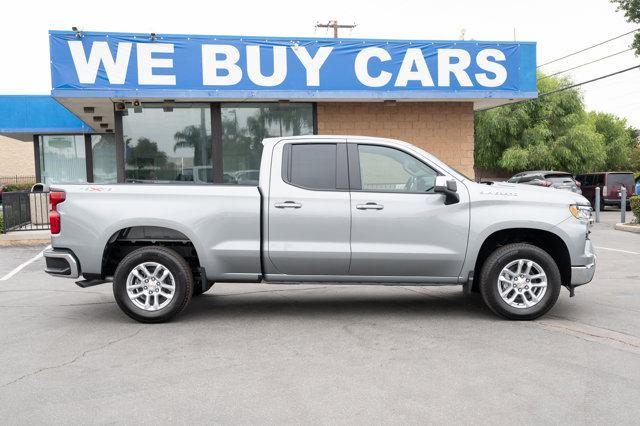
{"x":244,"y":125}
{"x":168,"y":144}
{"x":62,"y":159}
{"x":103,"y":148}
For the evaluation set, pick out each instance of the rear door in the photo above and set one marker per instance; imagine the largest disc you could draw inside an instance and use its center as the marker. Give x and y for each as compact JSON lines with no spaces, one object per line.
{"x":309,"y":218}
{"x":400,"y":226}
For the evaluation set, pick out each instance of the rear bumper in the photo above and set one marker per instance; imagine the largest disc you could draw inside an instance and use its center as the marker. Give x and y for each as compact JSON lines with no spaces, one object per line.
{"x":61,"y":263}
{"x":615,"y":201}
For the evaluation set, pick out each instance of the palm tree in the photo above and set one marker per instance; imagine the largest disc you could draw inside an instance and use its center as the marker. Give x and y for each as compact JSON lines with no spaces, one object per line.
{"x":196,"y":138}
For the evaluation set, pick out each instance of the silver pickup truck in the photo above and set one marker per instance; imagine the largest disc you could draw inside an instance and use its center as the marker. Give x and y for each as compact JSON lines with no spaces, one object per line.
{"x":333,"y":209}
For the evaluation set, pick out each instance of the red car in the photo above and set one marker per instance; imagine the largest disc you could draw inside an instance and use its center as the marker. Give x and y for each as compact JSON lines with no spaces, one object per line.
{"x":610,"y":184}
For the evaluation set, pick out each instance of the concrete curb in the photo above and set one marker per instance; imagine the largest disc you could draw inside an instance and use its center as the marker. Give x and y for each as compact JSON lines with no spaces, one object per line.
{"x":628,"y":227}
{"x":25,"y":238}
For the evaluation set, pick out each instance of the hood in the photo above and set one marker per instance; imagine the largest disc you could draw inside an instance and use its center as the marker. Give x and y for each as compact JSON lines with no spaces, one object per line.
{"x":522,"y":192}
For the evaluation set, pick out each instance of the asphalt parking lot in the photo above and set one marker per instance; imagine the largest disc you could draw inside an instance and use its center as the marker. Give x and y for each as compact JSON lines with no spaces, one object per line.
{"x":322,"y":354}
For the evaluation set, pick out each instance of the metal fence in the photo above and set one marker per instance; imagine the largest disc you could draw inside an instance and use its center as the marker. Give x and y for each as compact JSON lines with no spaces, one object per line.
{"x":15,"y":180}
{"x":25,"y":211}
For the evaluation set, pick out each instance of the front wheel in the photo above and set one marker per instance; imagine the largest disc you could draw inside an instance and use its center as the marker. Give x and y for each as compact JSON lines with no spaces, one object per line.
{"x":153,"y":284}
{"x":520,"y":281}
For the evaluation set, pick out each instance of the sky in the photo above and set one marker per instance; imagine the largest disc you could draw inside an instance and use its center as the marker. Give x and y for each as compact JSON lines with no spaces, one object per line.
{"x":559,"y":27}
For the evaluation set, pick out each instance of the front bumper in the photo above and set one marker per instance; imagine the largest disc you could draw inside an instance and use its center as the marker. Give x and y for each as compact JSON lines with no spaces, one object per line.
{"x":584,"y":274}
{"x":61,"y":263}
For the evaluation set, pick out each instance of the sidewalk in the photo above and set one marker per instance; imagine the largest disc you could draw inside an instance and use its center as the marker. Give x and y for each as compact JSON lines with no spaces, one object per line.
{"x":25,"y":238}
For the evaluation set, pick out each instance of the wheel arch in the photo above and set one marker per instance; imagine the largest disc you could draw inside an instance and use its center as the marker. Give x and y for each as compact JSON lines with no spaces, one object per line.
{"x":546,"y":240}
{"x":125,"y":239}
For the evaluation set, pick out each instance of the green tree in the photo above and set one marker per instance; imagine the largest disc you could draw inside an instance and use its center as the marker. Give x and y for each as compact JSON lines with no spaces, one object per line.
{"x":620,"y":140}
{"x":631,"y":9}
{"x":553,"y":132}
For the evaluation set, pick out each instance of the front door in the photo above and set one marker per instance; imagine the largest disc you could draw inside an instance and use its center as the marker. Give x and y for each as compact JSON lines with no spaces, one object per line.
{"x":400,"y":227}
{"x":309,"y":212}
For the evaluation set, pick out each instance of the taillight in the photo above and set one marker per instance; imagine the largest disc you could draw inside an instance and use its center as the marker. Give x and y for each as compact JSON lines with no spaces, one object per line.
{"x":547,"y":183}
{"x":604,"y":190}
{"x":578,"y":184}
{"x":55,"y":198}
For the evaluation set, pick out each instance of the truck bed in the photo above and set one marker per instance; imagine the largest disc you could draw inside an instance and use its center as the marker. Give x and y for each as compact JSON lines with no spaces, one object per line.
{"x":222,"y":222}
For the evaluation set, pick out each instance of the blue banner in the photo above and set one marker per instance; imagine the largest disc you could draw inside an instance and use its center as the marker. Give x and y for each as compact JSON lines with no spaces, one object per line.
{"x":243,"y":68}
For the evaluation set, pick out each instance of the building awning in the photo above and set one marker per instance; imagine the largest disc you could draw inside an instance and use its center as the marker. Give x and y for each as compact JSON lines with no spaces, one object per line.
{"x":22,"y":116}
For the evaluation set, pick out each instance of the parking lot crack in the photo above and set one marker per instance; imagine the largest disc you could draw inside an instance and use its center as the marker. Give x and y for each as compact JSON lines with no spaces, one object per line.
{"x":591,"y":333}
{"x":75,"y":359}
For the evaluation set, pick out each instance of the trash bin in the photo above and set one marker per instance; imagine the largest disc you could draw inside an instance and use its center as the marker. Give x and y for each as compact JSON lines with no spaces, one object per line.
{"x":39,"y":205}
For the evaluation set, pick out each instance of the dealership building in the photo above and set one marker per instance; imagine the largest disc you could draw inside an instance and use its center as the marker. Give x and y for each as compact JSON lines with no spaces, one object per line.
{"x":193,"y":108}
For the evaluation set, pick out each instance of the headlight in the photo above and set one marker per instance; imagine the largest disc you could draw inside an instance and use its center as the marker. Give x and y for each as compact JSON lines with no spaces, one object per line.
{"x":580,"y":212}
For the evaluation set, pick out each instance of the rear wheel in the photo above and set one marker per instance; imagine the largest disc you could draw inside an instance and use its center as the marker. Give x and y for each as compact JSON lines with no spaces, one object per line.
{"x":153,"y":284}
{"x":520,"y":281}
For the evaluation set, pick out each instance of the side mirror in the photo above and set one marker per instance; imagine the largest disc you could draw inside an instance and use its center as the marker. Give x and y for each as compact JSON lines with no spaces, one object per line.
{"x":448,"y":187}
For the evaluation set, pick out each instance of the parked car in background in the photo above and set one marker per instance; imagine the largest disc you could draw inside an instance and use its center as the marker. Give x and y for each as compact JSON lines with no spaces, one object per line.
{"x":247,"y":177}
{"x":610,"y":184}
{"x":551,"y":179}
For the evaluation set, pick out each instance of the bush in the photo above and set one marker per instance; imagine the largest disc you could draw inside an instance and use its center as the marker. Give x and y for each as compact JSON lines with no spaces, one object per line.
{"x":635,"y":207}
{"x":1,"y":224}
{"x":19,"y":187}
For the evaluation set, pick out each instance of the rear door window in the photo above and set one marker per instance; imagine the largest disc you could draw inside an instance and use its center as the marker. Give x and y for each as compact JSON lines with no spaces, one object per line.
{"x":588,"y":180}
{"x":312,"y":166}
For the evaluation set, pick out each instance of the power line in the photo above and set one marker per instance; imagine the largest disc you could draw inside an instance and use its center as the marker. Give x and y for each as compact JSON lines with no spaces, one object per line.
{"x":586,"y":63}
{"x":588,"y":81}
{"x":587,"y":48}
{"x":334,"y":24}
{"x":562,"y":89}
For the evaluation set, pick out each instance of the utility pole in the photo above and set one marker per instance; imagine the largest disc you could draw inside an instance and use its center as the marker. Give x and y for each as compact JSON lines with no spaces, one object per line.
{"x":334,"y":24}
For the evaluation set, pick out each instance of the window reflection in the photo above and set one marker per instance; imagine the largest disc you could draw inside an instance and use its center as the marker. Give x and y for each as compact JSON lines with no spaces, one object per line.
{"x":168,"y":144}
{"x":62,"y":159}
{"x":244,"y":125}
{"x":103,"y":148}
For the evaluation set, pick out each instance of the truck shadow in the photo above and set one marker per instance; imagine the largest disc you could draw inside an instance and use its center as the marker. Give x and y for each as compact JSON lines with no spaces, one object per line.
{"x":332,"y":305}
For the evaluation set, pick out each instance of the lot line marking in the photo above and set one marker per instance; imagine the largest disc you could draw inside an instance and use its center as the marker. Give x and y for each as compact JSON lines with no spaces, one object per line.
{"x":24,"y":265}
{"x":621,"y":251}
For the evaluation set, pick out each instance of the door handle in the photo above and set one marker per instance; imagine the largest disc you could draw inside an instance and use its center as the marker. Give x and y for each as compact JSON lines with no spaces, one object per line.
{"x":288,"y":205}
{"x":370,"y":206}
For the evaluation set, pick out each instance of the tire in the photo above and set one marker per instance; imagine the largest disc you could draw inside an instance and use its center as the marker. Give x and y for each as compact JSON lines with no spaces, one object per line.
{"x":177,"y":283}
{"x":525,"y":304}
